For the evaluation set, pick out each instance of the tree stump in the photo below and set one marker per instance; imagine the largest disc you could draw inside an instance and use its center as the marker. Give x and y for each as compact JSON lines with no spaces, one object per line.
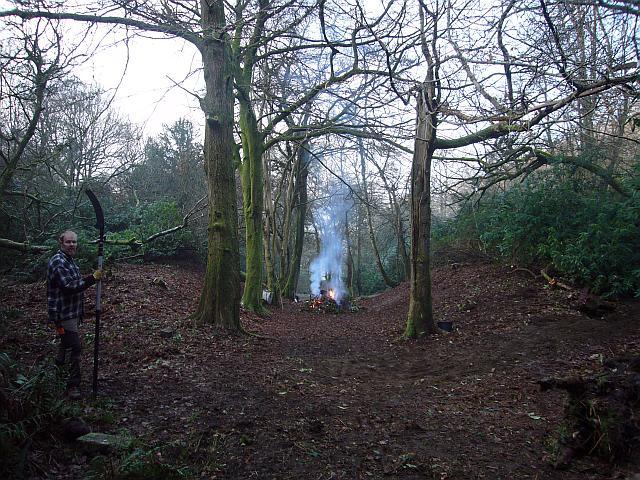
{"x":602,"y":415}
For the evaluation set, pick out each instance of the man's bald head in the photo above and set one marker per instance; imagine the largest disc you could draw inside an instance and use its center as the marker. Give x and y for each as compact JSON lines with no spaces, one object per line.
{"x":69,"y":243}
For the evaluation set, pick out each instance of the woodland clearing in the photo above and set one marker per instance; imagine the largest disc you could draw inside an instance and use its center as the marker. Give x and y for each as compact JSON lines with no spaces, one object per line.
{"x":319,"y":396}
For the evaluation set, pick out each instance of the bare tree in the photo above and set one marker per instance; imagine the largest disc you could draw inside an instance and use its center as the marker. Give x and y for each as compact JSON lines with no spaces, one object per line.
{"x":81,"y":138}
{"x":31,"y":59}
{"x":366,"y":202}
{"x":252,"y":34}
{"x":478,"y":93}
{"x":326,"y":72}
{"x":204,"y":25}
{"x":34,"y":88}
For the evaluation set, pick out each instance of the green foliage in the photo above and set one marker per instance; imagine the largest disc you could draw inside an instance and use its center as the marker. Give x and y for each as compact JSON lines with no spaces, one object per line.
{"x":137,"y":463}
{"x":151,"y":193}
{"x":590,"y":234}
{"x":459,"y":232}
{"x":148,"y":219}
{"x":30,"y":404}
{"x":370,"y":279}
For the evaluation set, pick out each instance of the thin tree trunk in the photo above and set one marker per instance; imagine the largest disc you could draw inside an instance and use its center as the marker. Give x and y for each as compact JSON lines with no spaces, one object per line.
{"x":420,"y":318}
{"x":290,"y":201}
{"x":350,"y":268}
{"x":358,"y":259}
{"x":253,"y":206}
{"x":300,"y":219}
{"x":398,"y":223}
{"x":10,"y":167}
{"x":269,"y":234}
{"x":387,"y":280}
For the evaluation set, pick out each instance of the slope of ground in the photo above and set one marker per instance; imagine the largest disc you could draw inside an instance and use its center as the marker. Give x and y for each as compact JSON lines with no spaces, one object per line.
{"x":322,"y":396}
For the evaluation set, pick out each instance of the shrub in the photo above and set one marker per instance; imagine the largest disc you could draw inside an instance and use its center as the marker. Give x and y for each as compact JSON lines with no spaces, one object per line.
{"x":138,"y":462}
{"x":590,"y":234}
{"x":30,"y":405}
{"x":152,"y":218}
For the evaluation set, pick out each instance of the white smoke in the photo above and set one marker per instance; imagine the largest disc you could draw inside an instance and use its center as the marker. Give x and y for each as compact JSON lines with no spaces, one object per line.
{"x":326,"y":269}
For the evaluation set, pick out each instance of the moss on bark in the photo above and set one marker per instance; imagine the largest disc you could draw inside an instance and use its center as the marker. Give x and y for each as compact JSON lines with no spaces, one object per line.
{"x":219,"y":303}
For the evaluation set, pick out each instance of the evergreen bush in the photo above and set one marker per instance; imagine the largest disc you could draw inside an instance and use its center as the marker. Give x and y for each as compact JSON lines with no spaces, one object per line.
{"x":148,"y":219}
{"x":589,"y":233}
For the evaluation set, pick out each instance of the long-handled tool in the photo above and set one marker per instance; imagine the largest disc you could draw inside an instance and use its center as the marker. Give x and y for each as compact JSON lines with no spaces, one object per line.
{"x":100,"y":226}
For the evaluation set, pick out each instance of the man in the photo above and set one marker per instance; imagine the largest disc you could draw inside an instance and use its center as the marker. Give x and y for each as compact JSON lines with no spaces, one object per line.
{"x":65,"y":299}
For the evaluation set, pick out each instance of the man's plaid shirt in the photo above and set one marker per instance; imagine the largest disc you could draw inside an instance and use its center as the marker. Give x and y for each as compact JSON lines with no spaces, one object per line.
{"x":65,"y":287}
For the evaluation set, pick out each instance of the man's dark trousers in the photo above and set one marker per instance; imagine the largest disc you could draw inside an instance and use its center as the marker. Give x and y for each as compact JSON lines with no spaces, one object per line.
{"x":70,"y":341}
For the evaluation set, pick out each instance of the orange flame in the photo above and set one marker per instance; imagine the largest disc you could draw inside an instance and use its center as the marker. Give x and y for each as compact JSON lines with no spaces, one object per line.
{"x":332,"y":294}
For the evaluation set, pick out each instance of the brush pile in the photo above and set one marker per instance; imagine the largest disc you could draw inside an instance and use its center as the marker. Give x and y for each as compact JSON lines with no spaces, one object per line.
{"x":326,"y":304}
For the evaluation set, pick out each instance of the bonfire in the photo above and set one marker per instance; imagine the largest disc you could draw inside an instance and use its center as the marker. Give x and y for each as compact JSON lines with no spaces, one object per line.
{"x":326,"y":303}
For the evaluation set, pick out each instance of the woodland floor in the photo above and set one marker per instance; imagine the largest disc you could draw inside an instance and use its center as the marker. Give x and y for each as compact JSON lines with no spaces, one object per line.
{"x":324,"y":396}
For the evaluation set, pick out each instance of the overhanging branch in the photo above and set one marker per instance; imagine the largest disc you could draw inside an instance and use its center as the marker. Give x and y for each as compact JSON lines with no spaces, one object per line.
{"x":519,"y":124}
{"x":172,"y":30}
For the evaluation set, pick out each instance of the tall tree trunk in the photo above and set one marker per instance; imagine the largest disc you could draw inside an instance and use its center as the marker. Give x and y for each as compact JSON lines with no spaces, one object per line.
{"x":251,"y":173}
{"x":290,"y":200}
{"x":387,"y":280}
{"x":376,"y":252}
{"x":420,"y":318}
{"x":402,"y":247}
{"x":398,"y":223}
{"x":300,"y":219}
{"x":220,"y":297}
{"x":350,"y":269}
{"x":269,"y":236}
{"x":358,"y":259}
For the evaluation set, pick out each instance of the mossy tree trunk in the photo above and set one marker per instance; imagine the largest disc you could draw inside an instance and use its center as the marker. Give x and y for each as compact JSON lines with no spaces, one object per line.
{"x":252,"y":139}
{"x":220,"y":297}
{"x":251,"y":173}
{"x":420,"y":318}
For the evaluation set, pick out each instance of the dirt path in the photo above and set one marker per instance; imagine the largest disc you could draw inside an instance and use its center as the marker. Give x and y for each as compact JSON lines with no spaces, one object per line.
{"x":320,"y":396}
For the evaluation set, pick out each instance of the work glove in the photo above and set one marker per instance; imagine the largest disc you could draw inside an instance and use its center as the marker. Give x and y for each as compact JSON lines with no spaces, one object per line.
{"x":59,"y":328}
{"x":97,"y":275}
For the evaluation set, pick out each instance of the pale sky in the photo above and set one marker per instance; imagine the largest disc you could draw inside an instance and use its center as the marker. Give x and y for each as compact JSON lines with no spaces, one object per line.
{"x":147,"y":95}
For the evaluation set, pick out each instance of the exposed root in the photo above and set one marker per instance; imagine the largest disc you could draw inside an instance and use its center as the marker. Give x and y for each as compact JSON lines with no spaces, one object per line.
{"x":602,"y":416}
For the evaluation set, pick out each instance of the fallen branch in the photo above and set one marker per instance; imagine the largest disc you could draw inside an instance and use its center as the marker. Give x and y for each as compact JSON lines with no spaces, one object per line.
{"x":23,"y":247}
{"x":135,"y":244}
{"x":553,"y":282}
{"x":522,"y":269}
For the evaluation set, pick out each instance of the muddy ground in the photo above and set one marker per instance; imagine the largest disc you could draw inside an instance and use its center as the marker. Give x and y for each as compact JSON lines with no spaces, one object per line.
{"x":323,"y":396}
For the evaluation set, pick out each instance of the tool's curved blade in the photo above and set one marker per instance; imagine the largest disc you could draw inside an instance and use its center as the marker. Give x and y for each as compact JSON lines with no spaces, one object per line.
{"x":98,"y":209}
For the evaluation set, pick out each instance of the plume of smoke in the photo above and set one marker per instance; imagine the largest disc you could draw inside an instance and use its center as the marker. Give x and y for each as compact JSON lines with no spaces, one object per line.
{"x":326,"y":269}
